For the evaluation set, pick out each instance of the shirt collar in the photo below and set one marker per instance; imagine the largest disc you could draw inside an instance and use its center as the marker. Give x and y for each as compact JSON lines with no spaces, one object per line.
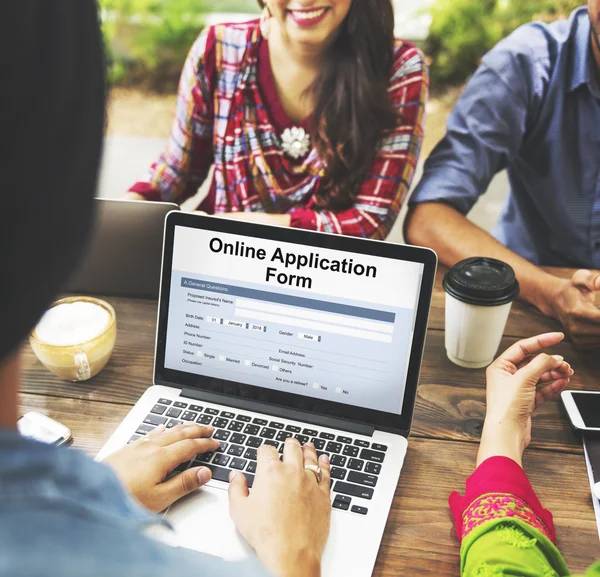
{"x":581,"y":67}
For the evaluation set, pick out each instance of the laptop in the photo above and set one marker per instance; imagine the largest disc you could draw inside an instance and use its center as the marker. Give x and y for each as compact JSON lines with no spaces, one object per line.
{"x":124,"y":254}
{"x":268,"y":332}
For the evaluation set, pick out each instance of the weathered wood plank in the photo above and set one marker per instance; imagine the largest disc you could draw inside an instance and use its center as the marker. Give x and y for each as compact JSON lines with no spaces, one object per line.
{"x":451,"y":400}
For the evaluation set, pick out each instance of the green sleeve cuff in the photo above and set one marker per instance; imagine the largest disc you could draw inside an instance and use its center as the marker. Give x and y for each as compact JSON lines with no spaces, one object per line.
{"x":510,"y":547}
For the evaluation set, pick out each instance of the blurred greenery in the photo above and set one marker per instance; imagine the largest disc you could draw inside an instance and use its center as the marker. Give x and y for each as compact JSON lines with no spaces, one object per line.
{"x":462,"y":31}
{"x":147,"y":40}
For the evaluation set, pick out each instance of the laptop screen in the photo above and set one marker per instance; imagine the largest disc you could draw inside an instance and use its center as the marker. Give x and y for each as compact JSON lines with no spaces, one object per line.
{"x":327,"y":324}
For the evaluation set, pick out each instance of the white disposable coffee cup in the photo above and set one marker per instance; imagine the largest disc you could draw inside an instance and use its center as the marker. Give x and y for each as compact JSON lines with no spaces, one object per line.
{"x":479,"y":296}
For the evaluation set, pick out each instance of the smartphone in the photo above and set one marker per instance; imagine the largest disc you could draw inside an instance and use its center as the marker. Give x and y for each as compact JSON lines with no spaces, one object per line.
{"x":44,"y":429}
{"x":583,"y":408}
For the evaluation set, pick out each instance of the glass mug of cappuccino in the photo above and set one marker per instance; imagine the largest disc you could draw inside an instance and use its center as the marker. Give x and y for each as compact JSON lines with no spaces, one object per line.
{"x":75,"y":337}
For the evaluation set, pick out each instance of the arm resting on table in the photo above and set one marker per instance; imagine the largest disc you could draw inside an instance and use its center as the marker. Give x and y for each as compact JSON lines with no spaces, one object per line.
{"x":454,"y":238}
{"x":484,"y":135}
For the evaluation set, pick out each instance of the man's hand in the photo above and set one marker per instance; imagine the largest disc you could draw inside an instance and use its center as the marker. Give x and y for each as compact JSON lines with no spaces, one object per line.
{"x":286,"y":517}
{"x":143,"y":465}
{"x":572,"y":303}
{"x":518,"y":381}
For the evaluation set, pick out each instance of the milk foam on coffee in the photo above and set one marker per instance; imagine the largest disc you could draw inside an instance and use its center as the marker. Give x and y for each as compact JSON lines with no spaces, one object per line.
{"x":72,"y":323}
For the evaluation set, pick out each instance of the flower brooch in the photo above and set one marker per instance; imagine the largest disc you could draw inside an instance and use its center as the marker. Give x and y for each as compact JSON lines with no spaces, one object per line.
{"x":295,"y":142}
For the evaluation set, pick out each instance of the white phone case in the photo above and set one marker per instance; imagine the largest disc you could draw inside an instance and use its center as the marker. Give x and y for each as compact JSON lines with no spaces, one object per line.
{"x":44,"y":429}
{"x":573,"y":411}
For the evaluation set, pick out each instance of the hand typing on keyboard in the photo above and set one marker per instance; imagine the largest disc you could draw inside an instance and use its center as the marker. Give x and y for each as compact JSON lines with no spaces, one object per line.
{"x":143,"y":465}
{"x":286,"y":517}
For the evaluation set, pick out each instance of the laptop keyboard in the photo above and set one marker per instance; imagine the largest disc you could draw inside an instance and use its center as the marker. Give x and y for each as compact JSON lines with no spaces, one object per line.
{"x":355,"y":463}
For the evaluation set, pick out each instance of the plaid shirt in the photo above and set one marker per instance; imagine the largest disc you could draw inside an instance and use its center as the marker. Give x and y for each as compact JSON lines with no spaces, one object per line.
{"x":226,"y":116}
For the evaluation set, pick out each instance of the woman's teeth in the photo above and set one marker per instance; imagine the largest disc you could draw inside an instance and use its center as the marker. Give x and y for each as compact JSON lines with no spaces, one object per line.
{"x":308,"y":15}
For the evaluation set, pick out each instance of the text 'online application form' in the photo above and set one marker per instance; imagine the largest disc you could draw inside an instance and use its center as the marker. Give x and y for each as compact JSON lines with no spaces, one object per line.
{"x":323,"y":323}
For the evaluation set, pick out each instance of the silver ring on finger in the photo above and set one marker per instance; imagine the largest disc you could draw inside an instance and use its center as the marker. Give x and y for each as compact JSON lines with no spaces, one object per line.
{"x":316,"y":470}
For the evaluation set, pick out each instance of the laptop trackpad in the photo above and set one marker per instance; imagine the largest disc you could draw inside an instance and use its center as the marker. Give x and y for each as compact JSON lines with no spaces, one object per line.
{"x":201,"y":522}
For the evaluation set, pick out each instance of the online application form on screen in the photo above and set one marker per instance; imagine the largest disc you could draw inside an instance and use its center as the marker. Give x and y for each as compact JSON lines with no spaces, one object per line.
{"x":323,"y":323}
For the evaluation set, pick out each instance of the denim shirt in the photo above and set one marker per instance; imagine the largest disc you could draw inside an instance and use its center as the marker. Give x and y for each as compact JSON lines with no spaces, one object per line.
{"x":64,"y":515}
{"x":532,"y":107}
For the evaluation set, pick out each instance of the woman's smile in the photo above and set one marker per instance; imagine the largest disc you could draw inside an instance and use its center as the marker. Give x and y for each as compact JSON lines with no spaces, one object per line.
{"x":308,"y":16}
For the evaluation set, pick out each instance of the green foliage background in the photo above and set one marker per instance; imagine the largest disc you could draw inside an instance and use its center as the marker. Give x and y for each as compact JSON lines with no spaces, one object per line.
{"x":462,"y":31}
{"x":147,"y":40}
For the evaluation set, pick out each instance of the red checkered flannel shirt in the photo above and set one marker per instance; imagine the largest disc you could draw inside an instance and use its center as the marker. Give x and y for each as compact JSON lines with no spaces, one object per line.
{"x":228,"y":115}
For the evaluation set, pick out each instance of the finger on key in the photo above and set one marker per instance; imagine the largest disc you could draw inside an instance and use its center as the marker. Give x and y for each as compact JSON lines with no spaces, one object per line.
{"x":292,"y":453}
{"x":184,"y":431}
{"x":187,"y":449}
{"x":266,"y":456}
{"x":325,"y":471}
{"x":157,"y":431}
{"x":310,"y":456}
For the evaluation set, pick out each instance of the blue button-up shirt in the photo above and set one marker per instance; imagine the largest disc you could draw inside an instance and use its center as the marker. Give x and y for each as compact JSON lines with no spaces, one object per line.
{"x":532,"y":107}
{"x":62,"y":514}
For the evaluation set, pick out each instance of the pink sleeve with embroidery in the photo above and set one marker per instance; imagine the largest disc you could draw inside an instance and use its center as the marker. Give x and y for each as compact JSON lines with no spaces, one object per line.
{"x":499,"y":489}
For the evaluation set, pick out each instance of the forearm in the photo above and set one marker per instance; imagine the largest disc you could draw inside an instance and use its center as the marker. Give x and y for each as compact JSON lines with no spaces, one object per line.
{"x":134,"y":196}
{"x":295,"y":565}
{"x":500,"y":439}
{"x":350,"y":222}
{"x":454,"y":238}
{"x":259,"y":217}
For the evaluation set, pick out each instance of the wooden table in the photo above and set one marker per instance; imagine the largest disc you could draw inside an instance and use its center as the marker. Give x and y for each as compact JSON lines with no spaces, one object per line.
{"x":448,"y":419}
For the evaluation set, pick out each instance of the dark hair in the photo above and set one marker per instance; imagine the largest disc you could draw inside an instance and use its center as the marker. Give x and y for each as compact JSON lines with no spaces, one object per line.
{"x":352,"y":107}
{"x":53,"y":126}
